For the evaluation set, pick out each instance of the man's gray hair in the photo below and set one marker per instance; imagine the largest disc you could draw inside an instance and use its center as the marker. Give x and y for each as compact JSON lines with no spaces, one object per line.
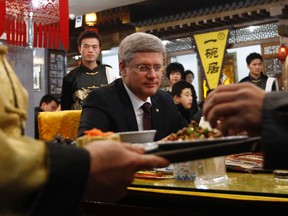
{"x":139,"y":42}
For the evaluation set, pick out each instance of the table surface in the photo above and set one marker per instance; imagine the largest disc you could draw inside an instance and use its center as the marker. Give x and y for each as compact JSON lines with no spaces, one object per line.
{"x":244,"y":192}
{"x":252,"y":185}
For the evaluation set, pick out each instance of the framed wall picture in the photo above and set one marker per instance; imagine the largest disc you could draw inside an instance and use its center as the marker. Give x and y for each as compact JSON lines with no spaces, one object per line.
{"x":37,"y":73}
{"x":56,"y":71}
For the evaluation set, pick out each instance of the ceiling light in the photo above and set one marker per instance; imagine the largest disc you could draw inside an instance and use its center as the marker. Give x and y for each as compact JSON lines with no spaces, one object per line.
{"x":91,"y":19}
{"x":72,"y":16}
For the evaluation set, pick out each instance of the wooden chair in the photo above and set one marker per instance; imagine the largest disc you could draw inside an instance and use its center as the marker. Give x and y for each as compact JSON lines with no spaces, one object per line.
{"x":65,"y":123}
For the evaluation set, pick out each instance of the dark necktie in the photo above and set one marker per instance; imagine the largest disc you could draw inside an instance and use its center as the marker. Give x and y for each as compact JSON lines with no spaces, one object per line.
{"x":147,"y":116}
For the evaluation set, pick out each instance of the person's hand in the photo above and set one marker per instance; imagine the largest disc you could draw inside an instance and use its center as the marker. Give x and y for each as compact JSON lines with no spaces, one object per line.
{"x":235,"y":107}
{"x":112,"y":168}
{"x":58,"y":108}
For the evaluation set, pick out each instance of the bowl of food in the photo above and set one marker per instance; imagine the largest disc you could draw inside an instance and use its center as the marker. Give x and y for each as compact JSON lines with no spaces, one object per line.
{"x":144,"y":136}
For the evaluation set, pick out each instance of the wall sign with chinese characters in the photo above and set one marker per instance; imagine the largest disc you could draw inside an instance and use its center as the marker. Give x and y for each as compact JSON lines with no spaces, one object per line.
{"x":56,"y":71}
{"x":211,"y":49}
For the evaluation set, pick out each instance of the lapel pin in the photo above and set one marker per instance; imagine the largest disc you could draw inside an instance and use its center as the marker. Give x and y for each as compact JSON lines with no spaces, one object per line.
{"x":157,"y":110}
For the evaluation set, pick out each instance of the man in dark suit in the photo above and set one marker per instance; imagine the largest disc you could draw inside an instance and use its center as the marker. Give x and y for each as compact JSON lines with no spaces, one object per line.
{"x":117,"y":107}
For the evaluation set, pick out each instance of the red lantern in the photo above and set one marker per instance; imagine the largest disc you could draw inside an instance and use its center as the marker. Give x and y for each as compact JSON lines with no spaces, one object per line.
{"x":282,"y":53}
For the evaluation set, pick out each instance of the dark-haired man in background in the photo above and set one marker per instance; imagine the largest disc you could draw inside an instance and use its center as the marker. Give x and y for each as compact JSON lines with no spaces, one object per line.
{"x":91,"y":74}
{"x":47,"y":103}
{"x":255,"y":65}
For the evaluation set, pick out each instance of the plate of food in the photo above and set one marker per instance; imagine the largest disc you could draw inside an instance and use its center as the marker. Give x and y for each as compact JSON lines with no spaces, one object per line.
{"x":194,"y":135}
{"x":194,"y":142}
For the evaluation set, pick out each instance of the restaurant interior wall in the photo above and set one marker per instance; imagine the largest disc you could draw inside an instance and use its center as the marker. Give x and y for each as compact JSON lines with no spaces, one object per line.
{"x":110,"y":57}
{"x":21,"y":60}
{"x":39,"y":60}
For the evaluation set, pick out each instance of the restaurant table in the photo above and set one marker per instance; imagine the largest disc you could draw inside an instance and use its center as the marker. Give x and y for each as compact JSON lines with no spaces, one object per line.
{"x":243,"y":193}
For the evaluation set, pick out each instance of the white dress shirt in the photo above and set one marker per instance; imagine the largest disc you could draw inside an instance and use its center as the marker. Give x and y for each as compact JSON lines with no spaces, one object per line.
{"x":137,"y":103}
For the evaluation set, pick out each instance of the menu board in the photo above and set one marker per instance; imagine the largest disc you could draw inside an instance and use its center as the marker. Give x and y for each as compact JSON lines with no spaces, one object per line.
{"x":56,"y":71}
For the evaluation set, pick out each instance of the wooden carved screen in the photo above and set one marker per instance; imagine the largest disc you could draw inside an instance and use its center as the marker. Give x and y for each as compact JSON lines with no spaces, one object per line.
{"x":272,"y":65}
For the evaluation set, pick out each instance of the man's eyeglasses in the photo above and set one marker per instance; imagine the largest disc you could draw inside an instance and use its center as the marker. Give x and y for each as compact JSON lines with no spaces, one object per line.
{"x":148,"y":68}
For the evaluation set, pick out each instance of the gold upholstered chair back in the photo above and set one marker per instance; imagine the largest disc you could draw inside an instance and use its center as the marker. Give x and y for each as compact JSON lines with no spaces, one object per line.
{"x":64,"y":123}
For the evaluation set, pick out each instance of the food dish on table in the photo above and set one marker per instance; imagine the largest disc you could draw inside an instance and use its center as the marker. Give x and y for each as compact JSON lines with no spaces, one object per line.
{"x":94,"y":135}
{"x":194,"y":132}
{"x":194,"y":142}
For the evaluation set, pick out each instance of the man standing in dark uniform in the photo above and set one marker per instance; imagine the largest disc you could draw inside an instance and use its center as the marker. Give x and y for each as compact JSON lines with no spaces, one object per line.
{"x":78,"y":83}
{"x":256,"y":76}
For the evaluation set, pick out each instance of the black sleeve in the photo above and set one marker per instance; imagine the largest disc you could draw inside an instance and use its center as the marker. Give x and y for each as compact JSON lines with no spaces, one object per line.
{"x":194,"y":109}
{"x":274,"y":88}
{"x":36,"y":129}
{"x":69,"y":169}
{"x":274,"y":143}
{"x":66,"y":94}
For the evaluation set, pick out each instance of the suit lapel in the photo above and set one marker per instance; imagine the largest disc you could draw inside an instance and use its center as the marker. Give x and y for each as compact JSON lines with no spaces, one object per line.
{"x":128,"y":109}
{"x":156,"y":113}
